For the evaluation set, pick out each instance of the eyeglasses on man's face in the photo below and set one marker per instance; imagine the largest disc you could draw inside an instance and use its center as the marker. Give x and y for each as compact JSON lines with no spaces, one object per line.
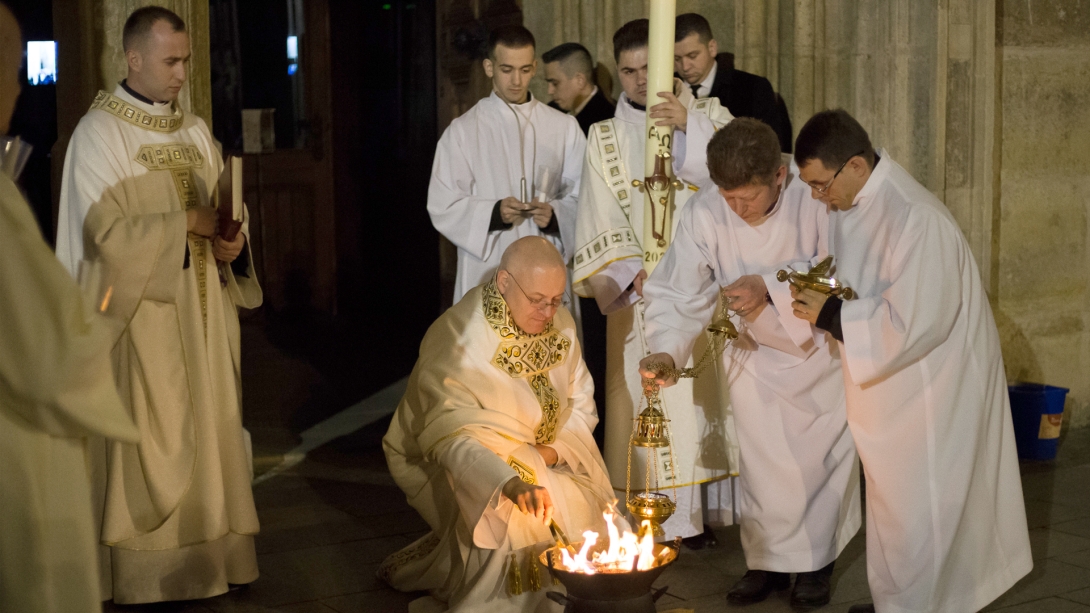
{"x":537,"y":303}
{"x":825,"y":188}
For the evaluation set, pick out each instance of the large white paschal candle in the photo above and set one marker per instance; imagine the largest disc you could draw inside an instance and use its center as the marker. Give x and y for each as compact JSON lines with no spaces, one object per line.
{"x":658,"y":186}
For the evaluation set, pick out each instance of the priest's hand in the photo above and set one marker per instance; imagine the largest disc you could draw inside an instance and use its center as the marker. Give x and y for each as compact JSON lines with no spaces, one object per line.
{"x":530,"y":499}
{"x":808,"y":303}
{"x":637,"y":283}
{"x":671,"y":112}
{"x":548,"y":454}
{"x":201,"y":220}
{"x":747,"y":296}
{"x":226,"y":252}
{"x":542,"y":213}
{"x":512,"y":210}
{"x":658,"y":358}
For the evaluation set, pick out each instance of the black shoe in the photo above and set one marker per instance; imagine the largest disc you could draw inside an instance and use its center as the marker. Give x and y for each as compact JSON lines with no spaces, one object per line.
{"x":700,"y":541}
{"x":756,"y":585}
{"x":861,"y":608}
{"x":812,"y":588}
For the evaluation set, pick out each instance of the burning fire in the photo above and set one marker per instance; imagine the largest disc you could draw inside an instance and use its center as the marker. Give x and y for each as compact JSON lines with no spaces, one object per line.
{"x":626,"y":552}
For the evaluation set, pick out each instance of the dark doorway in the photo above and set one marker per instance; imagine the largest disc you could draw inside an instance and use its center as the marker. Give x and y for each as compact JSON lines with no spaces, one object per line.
{"x":384,"y":108}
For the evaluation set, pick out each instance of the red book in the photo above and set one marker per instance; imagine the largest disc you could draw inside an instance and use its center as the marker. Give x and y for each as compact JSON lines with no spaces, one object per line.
{"x":229,"y":195}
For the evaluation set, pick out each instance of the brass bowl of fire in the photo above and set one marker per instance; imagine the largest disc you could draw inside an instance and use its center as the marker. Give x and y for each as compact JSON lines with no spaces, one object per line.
{"x":622,"y":567}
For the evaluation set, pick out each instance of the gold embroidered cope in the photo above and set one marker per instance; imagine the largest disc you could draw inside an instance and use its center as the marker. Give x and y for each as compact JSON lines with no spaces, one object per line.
{"x":528,"y":356}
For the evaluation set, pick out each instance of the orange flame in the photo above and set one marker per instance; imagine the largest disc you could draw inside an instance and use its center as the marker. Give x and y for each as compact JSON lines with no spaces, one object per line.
{"x":625,"y":551}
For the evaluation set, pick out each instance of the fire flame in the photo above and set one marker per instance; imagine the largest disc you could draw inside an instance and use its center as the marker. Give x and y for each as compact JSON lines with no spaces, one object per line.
{"x":625,"y":552}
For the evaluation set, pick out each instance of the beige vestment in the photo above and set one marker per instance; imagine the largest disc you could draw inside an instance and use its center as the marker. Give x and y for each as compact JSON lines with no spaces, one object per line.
{"x":56,"y":388}
{"x":481,"y":395}
{"x":178,"y":513}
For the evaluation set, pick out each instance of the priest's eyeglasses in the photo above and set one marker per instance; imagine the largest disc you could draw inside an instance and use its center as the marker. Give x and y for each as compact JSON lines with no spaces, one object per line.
{"x":824,"y":188}
{"x":538,"y":303}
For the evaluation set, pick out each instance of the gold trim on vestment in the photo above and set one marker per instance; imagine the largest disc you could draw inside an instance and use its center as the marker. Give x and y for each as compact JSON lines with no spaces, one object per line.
{"x":601,"y":245}
{"x":415,"y":551}
{"x":126,"y":112}
{"x":528,"y":356}
{"x":613,"y":170}
{"x":523,"y":470}
{"x":180,"y":159}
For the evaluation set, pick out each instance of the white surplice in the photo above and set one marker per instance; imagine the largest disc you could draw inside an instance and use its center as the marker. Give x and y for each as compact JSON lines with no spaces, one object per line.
{"x":56,"y":389}
{"x":177,"y":511}
{"x":927,"y":404}
{"x":477,"y":162}
{"x":480,"y":396}
{"x":607,"y":259}
{"x":798,"y":494}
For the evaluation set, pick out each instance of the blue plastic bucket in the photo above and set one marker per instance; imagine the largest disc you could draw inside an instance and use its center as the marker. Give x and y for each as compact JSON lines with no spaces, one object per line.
{"x":1037,"y":410}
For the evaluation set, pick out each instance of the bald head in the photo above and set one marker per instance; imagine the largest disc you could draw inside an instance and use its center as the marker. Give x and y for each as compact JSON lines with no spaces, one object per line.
{"x":11,"y":57}
{"x":529,"y":253}
{"x":532,"y":279}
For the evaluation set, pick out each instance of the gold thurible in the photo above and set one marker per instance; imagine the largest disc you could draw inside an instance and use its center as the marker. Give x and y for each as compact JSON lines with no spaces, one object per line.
{"x":651,"y":429}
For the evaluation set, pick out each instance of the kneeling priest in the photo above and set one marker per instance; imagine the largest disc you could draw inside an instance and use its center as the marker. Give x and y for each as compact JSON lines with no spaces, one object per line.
{"x":493,"y":439}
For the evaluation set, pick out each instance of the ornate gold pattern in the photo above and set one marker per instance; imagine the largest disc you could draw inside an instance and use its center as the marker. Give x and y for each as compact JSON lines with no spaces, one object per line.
{"x":124,"y":111}
{"x":172,"y":155}
{"x":528,"y":356}
{"x":417,"y":550}
{"x":524,"y":472}
{"x":186,"y":187}
{"x":612,"y":165}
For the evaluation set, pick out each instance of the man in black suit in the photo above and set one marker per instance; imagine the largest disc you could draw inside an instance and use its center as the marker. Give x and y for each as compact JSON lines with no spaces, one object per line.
{"x":712,"y":74}
{"x":569,"y":72}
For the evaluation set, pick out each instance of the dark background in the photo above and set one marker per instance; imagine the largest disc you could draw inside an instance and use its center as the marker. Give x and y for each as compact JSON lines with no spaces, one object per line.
{"x":384,"y":130}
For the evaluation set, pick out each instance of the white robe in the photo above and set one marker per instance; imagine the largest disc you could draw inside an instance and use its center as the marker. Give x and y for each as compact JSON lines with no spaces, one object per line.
{"x":607,"y":260}
{"x":466,"y":426}
{"x":798,"y":494}
{"x":477,"y":162}
{"x":177,"y":511}
{"x":56,"y":388}
{"x":927,"y":404}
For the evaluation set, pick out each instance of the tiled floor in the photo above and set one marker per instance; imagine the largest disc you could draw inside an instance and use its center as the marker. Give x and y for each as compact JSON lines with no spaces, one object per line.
{"x":328,"y":521}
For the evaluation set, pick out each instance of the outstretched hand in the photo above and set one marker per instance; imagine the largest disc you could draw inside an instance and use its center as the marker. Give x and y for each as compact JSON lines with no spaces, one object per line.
{"x":530,"y":499}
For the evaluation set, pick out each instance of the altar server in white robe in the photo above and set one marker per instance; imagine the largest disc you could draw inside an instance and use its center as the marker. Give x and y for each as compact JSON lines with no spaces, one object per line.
{"x":610,"y":266}
{"x":507,"y":168}
{"x":799,"y":481}
{"x":177,"y":510}
{"x":493,"y":437}
{"x":56,"y":388}
{"x":926,"y":392}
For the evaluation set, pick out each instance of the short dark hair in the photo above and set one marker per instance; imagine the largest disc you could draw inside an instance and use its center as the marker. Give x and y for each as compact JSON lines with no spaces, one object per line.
{"x":746,"y":151}
{"x":139,"y":24}
{"x":512,"y":37}
{"x":632,"y":35}
{"x":833,"y":137}
{"x":573,"y":57}
{"x":687,"y":24}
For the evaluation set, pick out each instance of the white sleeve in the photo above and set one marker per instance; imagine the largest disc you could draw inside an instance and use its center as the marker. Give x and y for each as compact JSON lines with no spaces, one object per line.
{"x":682,"y":293}
{"x":455,"y":211}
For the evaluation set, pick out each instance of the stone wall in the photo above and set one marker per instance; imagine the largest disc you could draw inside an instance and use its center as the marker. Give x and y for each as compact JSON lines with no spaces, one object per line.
{"x":986,"y":102}
{"x":1043,"y":50}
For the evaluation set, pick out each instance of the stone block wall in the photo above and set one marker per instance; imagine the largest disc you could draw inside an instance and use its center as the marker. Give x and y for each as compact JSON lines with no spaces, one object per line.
{"x":1043,"y":186}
